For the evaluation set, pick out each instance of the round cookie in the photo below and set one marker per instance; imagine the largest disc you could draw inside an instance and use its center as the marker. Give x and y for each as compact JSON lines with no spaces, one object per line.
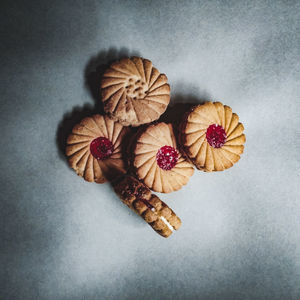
{"x":94,"y":149}
{"x":134,"y":92}
{"x":212,"y":137}
{"x":157,"y":161}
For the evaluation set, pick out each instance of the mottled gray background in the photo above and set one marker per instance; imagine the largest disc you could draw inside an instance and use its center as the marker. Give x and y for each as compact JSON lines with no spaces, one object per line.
{"x":63,"y":238}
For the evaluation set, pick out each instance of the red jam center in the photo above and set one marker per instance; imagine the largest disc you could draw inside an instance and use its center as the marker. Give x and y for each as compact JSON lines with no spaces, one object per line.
{"x":166,"y":157}
{"x":101,"y":148}
{"x":216,"y":136}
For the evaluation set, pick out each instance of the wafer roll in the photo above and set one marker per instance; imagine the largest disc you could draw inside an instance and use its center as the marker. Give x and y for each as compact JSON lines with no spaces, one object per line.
{"x":155,"y":212}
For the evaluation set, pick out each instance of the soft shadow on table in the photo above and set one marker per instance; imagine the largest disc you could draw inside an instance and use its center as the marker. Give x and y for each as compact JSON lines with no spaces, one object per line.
{"x":179,"y":105}
{"x":96,"y":66}
{"x":70,"y":119}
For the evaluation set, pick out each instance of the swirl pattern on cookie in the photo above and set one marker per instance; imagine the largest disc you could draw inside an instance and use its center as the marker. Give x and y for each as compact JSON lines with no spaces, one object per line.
{"x":134,"y":92}
{"x":157,"y":160}
{"x":212,"y":136}
{"x":94,"y":148}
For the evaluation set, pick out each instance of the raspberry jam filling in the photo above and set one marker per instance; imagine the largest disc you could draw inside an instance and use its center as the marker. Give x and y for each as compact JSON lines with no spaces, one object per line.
{"x":101,"y":148}
{"x":167,"y":157}
{"x":216,"y":136}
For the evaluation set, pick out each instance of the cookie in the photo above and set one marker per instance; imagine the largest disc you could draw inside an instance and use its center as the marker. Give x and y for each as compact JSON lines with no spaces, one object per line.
{"x":94,"y":149}
{"x":212,"y":136}
{"x":157,"y":160}
{"x":134,"y":92}
{"x":155,"y":212}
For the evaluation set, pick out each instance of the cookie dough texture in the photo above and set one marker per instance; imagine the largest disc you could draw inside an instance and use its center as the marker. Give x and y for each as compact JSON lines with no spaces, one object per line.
{"x":144,"y":162}
{"x":79,"y":154}
{"x":192,"y":136}
{"x":155,"y":212}
{"x":134,"y":92}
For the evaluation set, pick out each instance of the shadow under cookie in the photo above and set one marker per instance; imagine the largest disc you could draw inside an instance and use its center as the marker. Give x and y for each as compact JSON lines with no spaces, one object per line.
{"x":69,"y":120}
{"x":179,"y":105}
{"x":96,"y":67}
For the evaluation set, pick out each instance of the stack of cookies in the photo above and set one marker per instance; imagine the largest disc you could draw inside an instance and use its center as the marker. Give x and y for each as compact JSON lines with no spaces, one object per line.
{"x":103,"y":148}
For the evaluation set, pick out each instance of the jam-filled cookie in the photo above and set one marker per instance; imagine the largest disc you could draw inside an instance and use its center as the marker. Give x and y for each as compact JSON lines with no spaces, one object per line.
{"x":212,"y":136}
{"x":94,"y":148}
{"x":157,"y":160}
{"x":134,"y":92}
{"x":155,"y":212}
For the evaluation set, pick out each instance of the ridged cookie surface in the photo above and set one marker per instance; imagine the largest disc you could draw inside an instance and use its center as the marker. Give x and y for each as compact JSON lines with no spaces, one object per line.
{"x":212,"y":136}
{"x":153,"y":162}
{"x":134,"y":92}
{"x":155,"y":212}
{"x":94,"y":148}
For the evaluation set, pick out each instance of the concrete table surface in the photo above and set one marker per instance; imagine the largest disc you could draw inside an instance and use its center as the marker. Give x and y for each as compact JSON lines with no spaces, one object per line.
{"x":64,"y":238}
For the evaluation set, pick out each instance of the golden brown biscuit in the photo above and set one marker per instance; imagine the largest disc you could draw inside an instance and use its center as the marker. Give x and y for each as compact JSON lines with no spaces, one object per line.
{"x":155,"y":212}
{"x":212,"y":137}
{"x":94,"y":148}
{"x":134,"y":92}
{"x":157,"y":161}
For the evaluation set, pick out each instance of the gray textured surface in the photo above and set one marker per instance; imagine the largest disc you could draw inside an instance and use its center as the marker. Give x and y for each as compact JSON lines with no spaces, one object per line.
{"x":63,"y":238}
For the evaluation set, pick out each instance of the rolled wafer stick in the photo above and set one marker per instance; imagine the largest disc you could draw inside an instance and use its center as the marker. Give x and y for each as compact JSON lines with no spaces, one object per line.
{"x":155,"y":212}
